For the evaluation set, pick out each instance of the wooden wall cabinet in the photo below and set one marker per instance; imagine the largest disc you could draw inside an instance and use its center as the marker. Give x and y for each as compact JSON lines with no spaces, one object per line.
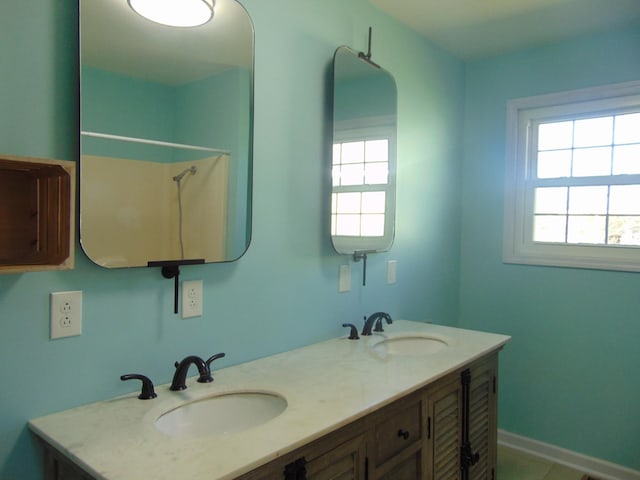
{"x":418,"y":437}
{"x":37,"y":214}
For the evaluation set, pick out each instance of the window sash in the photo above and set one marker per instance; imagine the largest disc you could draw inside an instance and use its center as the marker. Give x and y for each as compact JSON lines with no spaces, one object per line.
{"x":523,"y":118}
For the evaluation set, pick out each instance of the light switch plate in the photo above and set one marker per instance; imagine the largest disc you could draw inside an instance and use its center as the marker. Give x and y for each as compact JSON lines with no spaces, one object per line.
{"x":344,"y":278}
{"x":66,"y":314}
{"x":391,"y":271}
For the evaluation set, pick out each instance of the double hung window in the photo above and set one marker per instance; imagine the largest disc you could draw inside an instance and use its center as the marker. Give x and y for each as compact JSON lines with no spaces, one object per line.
{"x":363,"y":182}
{"x":572,"y":191}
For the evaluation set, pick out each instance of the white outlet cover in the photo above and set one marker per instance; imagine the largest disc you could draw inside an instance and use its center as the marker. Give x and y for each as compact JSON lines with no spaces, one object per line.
{"x":66,"y":314}
{"x":191,"y":298}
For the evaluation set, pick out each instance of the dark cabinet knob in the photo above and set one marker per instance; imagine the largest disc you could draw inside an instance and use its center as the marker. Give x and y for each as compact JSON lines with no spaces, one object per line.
{"x":403,"y":434}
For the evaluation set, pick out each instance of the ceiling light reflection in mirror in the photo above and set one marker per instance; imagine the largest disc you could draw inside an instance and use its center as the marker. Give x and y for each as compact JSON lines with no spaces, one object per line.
{"x":175,"y":13}
{"x":157,"y":101}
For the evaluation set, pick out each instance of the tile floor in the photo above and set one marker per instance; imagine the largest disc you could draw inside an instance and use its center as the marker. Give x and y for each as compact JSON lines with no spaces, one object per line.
{"x":515,"y":465}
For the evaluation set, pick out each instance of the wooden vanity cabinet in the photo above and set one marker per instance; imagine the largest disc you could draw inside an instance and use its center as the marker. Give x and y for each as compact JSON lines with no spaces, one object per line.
{"x":444,"y":427}
{"x":418,"y":437}
{"x":397,"y":440}
{"x":57,"y":467}
{"x":483,"y":418}
{"x":339,"y":455}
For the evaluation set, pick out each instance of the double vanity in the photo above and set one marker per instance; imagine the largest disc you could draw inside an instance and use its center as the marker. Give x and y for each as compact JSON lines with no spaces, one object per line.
{"x":417,"y":401}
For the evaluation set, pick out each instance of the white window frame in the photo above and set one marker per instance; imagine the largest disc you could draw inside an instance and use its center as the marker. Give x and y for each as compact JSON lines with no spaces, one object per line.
{"x":518,"y":245}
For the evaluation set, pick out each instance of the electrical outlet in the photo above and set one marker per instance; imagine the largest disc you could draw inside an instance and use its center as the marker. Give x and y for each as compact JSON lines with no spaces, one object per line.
{"x":192,"y":298}
{"x":66,"y":314}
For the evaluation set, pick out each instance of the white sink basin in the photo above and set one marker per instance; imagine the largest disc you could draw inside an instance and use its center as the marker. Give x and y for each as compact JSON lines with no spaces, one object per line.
{"x":411,"y":345}
{"x":222,"y":414}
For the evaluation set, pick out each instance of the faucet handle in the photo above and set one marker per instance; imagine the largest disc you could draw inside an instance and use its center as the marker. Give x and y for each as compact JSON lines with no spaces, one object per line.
{"x":215,"y":357}
{"x":147,"y":392}
{"x":353,"y":335}
{"x":208,"y":363}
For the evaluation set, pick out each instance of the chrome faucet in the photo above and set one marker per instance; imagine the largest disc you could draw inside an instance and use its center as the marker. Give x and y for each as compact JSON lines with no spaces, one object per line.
{"x":377,"y":319}
{"x":180,"y":375}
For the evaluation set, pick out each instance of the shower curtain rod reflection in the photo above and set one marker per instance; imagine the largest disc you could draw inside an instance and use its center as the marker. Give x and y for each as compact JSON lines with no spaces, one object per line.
{"x":121,"y":138}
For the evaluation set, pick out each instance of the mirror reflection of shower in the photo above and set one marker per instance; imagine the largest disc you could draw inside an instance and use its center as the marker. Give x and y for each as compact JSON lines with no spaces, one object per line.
{"x":178,"y":179}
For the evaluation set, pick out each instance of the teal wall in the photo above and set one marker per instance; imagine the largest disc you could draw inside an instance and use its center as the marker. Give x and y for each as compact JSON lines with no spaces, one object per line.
{"x":570,"y":375}
{"x":283,"y":292}
{"x":363,"y":97}
{"x":121,"y":105}
{"x":216,"y":112}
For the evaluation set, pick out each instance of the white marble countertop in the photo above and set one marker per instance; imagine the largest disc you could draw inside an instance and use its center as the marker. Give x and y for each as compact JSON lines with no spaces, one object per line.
{"x":326,"y":385}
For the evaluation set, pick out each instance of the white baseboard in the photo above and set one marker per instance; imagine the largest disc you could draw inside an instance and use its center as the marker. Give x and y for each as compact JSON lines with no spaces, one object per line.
{"x":593,"y":466}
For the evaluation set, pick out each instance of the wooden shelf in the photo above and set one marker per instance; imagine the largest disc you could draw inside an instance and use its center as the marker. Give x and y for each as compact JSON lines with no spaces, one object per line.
{"x":37,"y":214}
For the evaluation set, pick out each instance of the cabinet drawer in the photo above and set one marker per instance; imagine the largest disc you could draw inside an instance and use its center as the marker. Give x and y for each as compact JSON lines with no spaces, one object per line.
{"x":401,"y":429}
{"x":408,"y":469}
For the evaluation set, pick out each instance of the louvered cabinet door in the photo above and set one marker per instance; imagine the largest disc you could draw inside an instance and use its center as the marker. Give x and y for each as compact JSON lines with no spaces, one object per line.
{"x":337,"y":462}
{"x":330,"y":458}
{"x":483,"y":418}
{"x":444,"y":423}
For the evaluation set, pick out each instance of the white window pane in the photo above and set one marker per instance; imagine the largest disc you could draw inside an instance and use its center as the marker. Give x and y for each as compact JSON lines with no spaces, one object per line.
{"x":372,"y":225}
{"x":334,"y":202}
{"x":333,"y":225}
{"x":627,"y":128}
{"x":373,"y":202}
{"x":335,"y":175}
{"x":589,"y":162}
{"x":588,"y":200}
{"x":376,"y":173}
{"x":554,"y":164}
{"x":626,"y":160}
{"x":336,"y":153}
{"x":348,"y":225}
{"x":624,"y":200}
{"x":352,"y":174}
{"x":550,"y":200}
{"x":353,"y":152}
{"x":549,"y":228}
{"x":377,"y":151}
{"x":552,"y":136}
{"x":590,"y":132}
{"x":348,"y":202}
{"x":586,"y":229}
{"x":624,"y":230}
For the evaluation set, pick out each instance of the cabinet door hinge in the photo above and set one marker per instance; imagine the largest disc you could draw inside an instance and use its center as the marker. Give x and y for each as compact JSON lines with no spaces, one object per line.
{"x":296,"y":470}
{"x":366,"y":468}
{"x":428,"y":427}
{"x":494,"y":384}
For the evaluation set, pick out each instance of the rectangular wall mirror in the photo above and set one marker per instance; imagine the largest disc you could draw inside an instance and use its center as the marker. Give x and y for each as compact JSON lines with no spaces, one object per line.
{"x":166,"y":117}
{"x":364,"y":155}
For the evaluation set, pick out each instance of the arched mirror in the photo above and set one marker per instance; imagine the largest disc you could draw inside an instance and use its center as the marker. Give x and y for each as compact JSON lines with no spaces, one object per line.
{"x":364,"y":155}
{"x":166,"y":136}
